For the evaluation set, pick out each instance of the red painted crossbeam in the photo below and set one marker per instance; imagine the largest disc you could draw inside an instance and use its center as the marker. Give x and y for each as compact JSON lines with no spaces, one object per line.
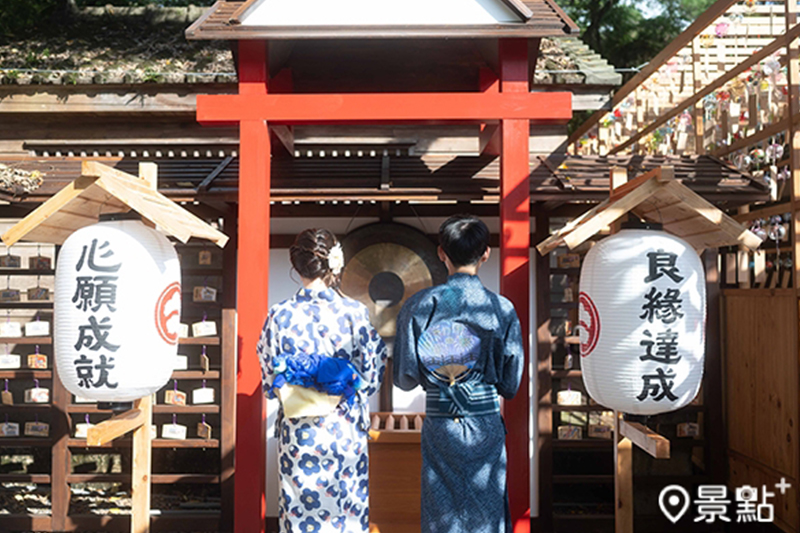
{"x":545,"y":107}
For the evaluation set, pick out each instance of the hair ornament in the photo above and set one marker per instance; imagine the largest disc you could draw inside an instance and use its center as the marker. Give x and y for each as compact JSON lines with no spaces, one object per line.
{"x":336,"y":259}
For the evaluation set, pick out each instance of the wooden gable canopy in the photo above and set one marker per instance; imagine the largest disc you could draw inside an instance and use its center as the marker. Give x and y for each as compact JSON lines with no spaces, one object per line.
{"x":657,"y":197}
{"x":102,"y":188}
{"x":538,"y":18}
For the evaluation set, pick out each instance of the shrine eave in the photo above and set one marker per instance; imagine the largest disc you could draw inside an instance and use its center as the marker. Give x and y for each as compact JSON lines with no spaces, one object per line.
{"x":221,"y":22}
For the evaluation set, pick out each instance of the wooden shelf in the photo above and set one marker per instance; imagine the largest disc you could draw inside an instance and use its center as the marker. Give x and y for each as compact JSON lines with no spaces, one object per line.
{"x":90,"y":408}
{"x":580,"y":408}
{"x":158,"y":479}
{"x":26,"y":373}
{"x":26,"y":272}
{"x":200,"y":271}
{"x":209,"y":408}
{"x":662,"y":481}
{"x":563,"y":374}
{"x":26,"y":340}
{"x":22,"y":407}
{"x":583,"y":517}
{"x":208,"y":341}
{"x":157,"y":443}
{"x":24,"y":442}
{"x":195,"y":374}
{"x":25,"y":478}
{"x":583,"y":444}
{"x":582,"y":479}
{"x":26,"y":305}
{"x":566,"y":271}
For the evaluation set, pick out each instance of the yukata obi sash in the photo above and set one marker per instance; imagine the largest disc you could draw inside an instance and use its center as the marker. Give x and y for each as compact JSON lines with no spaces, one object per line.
{"x":449,"y":351}
{"x":310,"y":385}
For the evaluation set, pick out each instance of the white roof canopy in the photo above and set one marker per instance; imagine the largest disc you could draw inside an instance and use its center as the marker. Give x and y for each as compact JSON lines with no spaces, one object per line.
{"x":379,"y":13}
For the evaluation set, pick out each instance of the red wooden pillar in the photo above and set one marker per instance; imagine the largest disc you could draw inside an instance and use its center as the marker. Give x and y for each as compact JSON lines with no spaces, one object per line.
{"x":251,"y":298}
{"x":515,"y":268}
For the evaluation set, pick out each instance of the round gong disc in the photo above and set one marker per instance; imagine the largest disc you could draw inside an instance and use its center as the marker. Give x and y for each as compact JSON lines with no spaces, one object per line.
{"x":385,"y":265}
{"x":383,"y":276}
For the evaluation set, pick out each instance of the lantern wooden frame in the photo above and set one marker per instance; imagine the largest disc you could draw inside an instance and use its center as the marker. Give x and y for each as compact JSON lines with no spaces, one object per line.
{"x":103,"y":188}
{"x":657,"y":197}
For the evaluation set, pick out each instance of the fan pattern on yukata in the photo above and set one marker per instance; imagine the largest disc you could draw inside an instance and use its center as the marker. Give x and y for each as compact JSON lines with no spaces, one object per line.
{"x":323,"y":461}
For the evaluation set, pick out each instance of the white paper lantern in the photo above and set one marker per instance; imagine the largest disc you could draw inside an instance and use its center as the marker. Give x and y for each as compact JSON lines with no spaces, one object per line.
{"x":642,"y":310}
{"x":117,"y":310}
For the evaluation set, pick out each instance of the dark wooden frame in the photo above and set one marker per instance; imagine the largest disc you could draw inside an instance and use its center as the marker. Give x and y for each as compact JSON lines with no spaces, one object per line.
{"x":62,"y":443}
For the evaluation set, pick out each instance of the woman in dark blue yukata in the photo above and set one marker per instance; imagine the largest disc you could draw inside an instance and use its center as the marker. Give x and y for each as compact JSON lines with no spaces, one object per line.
{"x":463,"y":344}
{"x":322,"y":358}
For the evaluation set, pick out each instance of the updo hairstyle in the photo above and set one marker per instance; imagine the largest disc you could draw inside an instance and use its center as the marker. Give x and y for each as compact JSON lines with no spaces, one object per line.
{"x":309,"y":255}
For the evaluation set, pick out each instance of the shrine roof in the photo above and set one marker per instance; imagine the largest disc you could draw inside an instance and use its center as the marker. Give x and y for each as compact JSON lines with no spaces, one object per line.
{"x":241,"y":20}
{"x":144,"y":45}
{"x":355,"y":174}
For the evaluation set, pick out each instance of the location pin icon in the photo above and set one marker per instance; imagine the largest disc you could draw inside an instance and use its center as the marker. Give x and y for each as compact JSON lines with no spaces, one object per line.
{"x":674,"y":501}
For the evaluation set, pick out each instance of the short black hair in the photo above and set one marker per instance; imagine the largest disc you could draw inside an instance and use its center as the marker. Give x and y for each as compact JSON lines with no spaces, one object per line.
{"x":464,"y":238}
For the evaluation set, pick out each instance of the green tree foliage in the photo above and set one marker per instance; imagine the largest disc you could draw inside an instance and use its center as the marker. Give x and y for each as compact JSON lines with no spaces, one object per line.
{"x":620,"y":31}
{"x":20,"y":19}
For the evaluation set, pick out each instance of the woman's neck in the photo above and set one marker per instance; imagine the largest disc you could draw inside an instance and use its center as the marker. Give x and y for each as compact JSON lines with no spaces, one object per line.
{"x":316,"y":284}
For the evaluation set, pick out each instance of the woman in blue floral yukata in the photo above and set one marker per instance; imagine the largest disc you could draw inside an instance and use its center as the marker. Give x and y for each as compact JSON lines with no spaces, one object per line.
{"x":321,"y":356}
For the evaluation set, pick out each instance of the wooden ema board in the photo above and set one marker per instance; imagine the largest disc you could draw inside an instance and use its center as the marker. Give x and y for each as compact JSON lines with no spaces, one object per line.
{"x":103,"y":189}
{"x":656,"y":197}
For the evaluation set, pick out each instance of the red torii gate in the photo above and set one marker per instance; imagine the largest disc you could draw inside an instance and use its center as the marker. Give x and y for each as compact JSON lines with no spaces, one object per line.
{"x":511,"y":104}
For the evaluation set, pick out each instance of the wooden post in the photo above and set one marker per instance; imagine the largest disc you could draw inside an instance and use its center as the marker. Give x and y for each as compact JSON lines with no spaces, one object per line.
{"x":252,"y":302}
{"x":617,"y":178}
{"x":793,"y":56}
{"x":62,"y":455}
{"x":623,"y":479}
{"x":698,"y":113}
{"x":142,"y":468}
{"x":543,"y":458}
{"x":515,"y":248}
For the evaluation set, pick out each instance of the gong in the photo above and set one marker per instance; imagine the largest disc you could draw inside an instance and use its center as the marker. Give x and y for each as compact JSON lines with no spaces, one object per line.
{"x":386,"y":264}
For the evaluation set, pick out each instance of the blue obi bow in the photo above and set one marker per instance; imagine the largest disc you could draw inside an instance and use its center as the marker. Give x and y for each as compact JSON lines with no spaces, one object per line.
{"x":331,"y":375}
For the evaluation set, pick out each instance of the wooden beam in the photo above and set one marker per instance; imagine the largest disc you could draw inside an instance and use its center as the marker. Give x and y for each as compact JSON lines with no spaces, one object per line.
{"x":778,"y":209}
{"x":142,"y":466}
{"x":208,"y":180}
{"x":710,"y":88}
{"x":645,"y":438}
{"x":702,"y":22}
{"x":148,"y":172}
{"x":617,"y":178}
{"x":47,"y":209}
{"x":618,"y":208}
{"x":698,"y":118}
{"x":285,"y":137}
{"x":757,"y":137}
{"x":549,"y":107}
{"x":519,"y":8}
{"x":726,"y":224}
{"x":489,"y":137}
{"x":115,"y":427}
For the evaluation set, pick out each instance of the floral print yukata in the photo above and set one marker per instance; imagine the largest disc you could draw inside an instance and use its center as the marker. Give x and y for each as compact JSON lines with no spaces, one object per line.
{"x":323,"y":461}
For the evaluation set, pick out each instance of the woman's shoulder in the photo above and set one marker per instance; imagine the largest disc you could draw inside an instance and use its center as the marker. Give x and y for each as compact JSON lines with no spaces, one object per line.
{"x":353,"y":305}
